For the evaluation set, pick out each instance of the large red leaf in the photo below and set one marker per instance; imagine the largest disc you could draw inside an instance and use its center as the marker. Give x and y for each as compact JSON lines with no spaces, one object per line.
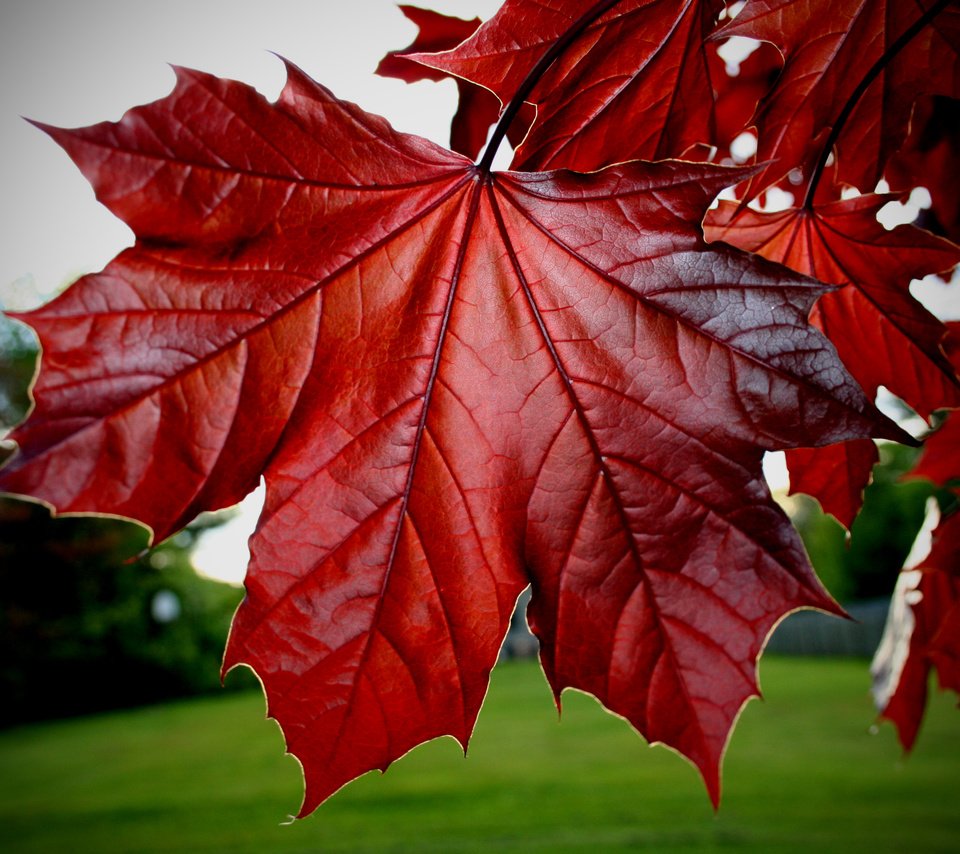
{"x":633,"y":83}
{"x":455,"y":383}
{"x":831,"y":48}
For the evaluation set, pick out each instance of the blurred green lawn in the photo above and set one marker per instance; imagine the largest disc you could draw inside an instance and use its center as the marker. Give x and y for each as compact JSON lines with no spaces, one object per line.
{"x":802,"y":774}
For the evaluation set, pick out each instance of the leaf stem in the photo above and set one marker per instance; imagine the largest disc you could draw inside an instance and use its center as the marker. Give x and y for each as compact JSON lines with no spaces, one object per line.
{"x":905,"y":38}
{"x":533,"y":77}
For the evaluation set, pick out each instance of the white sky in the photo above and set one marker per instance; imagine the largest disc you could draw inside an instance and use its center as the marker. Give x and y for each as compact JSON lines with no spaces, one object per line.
{"x":76,"y":63}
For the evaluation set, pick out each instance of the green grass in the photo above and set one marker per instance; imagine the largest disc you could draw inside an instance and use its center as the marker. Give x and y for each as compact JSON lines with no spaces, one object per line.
{"x":802,"y":774}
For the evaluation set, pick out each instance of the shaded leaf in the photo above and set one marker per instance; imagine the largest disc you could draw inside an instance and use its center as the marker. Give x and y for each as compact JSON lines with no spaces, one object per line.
{"x":923,"y":633}
{"x":928,"y":159}
{"x":830,"y":48}
{"x":737,"y":96}
{"x":884,"y":336}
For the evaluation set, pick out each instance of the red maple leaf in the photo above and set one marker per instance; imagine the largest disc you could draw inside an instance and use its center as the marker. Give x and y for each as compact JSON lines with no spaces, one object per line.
{"x":737,"y":95}
{"x":923,"y":633}
{"x":455,"y":383}
{"x":855,"y":64}
{"x":923,"y":629}
{"x":884,"y":336}
{"x":836,"y":475}
{"x":632,"y":80}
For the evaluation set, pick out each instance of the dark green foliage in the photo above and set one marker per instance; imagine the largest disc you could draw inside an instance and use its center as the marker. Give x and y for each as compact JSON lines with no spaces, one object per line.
{"x":80,"y":624}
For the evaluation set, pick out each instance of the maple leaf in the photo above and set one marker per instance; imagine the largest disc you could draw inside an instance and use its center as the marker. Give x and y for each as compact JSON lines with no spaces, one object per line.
{"x":455,"y":383}
{"x":922,"y":633}
{"x":631,"y":79}
{"x":884,"y":336}
{"x":853,"y":64}
{"x":836,"y":475}
{"x":923,"y":625}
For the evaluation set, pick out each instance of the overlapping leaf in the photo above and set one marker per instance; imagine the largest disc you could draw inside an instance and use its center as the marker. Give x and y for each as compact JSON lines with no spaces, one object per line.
{"x":634,"y":82}
{"x":455,"y":383}
{"x":926,"y":636}
{"x":929,"y":158}
{"x":940,"y":458}
{"x":737,"y":95}
{"x":831,"y":48}
{"x":884,"y":336}
{"x":836,"y":475}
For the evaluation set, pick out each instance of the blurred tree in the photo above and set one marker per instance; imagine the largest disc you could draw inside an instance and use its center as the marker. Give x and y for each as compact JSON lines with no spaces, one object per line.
{"x":90,"y":619}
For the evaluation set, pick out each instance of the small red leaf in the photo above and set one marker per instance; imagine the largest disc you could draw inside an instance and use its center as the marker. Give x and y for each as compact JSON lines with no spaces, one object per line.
{"x":835,"y":475}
